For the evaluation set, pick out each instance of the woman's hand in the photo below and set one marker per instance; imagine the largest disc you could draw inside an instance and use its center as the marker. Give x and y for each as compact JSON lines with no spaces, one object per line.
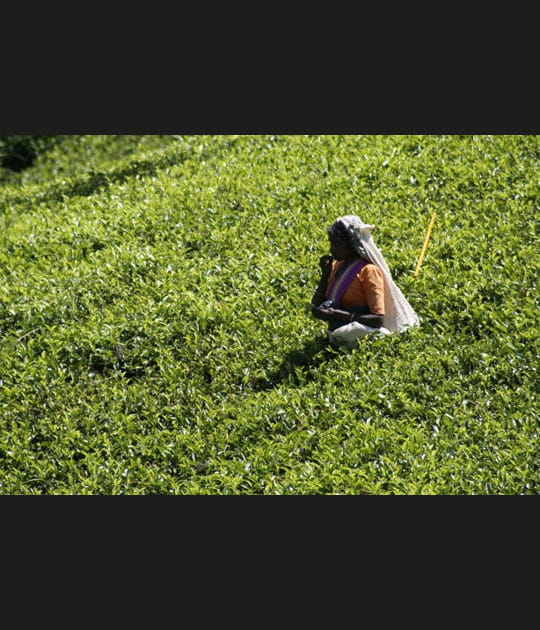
{"x":325,"y":263}
{"x":319,"y":313}
{"x":326,"y":314}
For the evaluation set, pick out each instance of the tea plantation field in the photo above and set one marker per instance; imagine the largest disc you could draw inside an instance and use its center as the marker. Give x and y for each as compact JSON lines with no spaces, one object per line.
{"x":155,"y":332}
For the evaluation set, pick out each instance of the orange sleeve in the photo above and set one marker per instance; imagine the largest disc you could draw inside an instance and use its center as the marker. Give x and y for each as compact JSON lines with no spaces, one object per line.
{"x":373,"y":281}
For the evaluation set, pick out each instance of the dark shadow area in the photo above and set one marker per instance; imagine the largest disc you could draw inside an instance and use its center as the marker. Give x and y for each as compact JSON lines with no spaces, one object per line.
{"x":19,"y":152}
{"x":98,"y":181}
{"x":310,"y":356}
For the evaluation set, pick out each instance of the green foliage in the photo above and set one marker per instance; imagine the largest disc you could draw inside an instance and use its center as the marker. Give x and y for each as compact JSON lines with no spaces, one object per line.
{"x":155,"y":336}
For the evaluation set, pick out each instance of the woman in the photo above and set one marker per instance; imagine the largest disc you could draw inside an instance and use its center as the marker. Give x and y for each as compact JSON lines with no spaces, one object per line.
{"x":356,"y":294}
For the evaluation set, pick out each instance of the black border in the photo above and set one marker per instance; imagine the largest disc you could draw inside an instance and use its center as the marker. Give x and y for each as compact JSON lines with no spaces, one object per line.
{"x":213,"y":70}
{"x":221,"y":102}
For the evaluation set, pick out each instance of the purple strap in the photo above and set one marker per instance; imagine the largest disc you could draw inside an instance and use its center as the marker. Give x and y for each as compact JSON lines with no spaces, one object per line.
{"x":343,"y":279}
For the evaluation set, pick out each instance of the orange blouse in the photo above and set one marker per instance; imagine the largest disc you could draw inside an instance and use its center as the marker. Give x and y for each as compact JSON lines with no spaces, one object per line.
{"x":366,"y":289}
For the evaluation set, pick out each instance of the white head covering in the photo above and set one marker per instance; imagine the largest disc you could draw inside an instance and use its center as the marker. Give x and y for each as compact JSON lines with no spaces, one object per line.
{"x":399,"y":314}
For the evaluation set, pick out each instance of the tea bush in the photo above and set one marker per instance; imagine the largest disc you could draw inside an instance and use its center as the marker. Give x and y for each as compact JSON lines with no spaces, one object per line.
{"x":156,"y":337}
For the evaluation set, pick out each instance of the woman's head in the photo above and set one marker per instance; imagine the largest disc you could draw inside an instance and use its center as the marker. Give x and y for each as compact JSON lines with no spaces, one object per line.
{"x":346,"y":235}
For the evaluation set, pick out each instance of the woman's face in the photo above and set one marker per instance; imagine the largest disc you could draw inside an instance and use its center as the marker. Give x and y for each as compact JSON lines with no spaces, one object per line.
{"x":340,"y":248}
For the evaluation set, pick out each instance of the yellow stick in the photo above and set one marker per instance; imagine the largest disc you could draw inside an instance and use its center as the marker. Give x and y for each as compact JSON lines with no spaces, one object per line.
{"x":424,"y":246}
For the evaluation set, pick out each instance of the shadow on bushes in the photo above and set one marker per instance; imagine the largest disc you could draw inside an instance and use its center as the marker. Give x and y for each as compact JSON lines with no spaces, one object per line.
{"x":19,"y":152}
{"x":313,"y":354}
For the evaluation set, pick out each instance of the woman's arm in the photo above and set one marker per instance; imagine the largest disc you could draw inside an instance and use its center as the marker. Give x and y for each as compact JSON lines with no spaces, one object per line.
{"x":368,"y":319}
{"x":318,"y":298}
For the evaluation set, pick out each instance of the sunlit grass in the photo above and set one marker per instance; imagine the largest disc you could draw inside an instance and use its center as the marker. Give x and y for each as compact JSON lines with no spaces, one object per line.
{"x":155,"y":336}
